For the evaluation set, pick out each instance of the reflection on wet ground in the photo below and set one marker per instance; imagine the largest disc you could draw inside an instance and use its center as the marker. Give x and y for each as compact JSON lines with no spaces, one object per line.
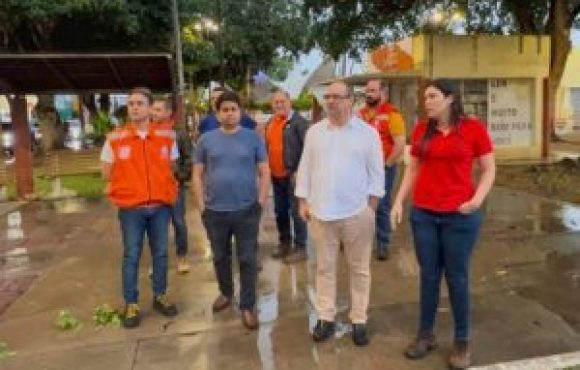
{"x":525,"y":279}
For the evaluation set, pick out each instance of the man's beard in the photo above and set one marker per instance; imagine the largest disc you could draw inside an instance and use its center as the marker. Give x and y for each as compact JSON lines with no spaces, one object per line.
{"x":372,"y":102}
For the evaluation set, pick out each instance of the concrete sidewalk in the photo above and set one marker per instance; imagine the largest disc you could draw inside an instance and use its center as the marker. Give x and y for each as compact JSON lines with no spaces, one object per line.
{"x":525,"y":279}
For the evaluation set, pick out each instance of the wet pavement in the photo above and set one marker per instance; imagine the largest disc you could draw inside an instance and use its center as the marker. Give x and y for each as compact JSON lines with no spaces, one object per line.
{"x":66,"y":255}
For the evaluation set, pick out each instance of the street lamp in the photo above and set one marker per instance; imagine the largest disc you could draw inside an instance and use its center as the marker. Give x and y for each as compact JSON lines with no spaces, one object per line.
{"x":437,"y":17}
{"x":207,"y":26}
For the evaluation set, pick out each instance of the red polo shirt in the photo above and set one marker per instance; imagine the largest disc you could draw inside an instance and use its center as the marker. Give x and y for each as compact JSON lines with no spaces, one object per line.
{"x":444,"y":179}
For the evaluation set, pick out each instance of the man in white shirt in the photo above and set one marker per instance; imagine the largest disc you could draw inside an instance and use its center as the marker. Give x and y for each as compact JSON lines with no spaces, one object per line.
{"x":339,"y":183}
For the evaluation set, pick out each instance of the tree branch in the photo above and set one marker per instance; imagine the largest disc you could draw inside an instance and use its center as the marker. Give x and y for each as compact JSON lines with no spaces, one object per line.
{"x":390,"y":6}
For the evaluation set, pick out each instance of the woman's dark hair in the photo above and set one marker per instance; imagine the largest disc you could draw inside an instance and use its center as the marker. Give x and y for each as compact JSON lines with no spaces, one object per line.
{"x":228,"y":96}
{"x":447,"y":88}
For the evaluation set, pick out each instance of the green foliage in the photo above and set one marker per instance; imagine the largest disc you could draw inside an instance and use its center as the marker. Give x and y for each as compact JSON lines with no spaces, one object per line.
{"x":67,"y":322}
{"x":102,"y":125}
{"x":252,"y":36}
{"x":348,"y":26}
{"x":105,"y":315}
{"x":5,"y":352}
{"x":39,"y":25}
{"x":280,"y":67}
{"x":340,"y":27}
{"x":303,"y":102}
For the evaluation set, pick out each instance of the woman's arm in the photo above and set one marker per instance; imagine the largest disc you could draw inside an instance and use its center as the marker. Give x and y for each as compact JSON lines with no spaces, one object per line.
{"x":407,"y":184}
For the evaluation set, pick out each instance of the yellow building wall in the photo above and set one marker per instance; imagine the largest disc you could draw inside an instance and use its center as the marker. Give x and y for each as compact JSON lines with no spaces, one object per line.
{"x":487,"y":57}
{"x":570,"y":79}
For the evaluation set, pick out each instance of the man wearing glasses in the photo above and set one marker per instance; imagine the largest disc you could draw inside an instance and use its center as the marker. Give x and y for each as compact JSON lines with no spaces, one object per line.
{"x":339,"y":183}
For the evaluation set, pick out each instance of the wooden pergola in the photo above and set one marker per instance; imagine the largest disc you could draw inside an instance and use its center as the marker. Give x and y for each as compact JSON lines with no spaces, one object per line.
{"x":22,"y":74}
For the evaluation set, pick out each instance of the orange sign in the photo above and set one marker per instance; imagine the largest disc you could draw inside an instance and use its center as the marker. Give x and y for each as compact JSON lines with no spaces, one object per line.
{"x":391,"y":58}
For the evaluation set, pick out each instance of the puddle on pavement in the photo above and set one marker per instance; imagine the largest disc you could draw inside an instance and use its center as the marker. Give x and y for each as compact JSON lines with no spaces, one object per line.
{"x":510,"y":213}
{"x":571,"y":217}
{"x":14,"y":263}
{"x":70,"y":205}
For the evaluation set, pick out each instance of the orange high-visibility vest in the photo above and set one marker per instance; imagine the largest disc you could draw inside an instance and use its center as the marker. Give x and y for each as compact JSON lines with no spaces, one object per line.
{"x":141,"y":172}
{"x":380,"y":119}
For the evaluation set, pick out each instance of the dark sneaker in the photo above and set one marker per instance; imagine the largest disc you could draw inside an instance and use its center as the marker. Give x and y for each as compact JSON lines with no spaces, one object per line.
{"x":131,"y":317}
{"x":420,"y":347}
{"x":323,"y":330}
{"x":360,"y":335}
{"x":162,"y":305}
{"x":281,"y":251}
{"x":297,"y":255}
{"x":221,"y":303}
{"x":460,"y":358}
{"x":382,"y":252}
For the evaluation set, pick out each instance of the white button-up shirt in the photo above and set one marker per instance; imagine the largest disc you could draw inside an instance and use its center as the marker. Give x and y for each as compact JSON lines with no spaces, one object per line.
{"x":340,"y":168}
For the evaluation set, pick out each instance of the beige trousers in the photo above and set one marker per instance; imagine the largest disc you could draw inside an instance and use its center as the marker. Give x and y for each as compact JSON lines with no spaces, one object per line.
{"x":356,"y":234}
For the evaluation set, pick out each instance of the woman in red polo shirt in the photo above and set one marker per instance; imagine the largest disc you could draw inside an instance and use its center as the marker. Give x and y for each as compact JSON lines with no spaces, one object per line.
{"x":445,"y":216}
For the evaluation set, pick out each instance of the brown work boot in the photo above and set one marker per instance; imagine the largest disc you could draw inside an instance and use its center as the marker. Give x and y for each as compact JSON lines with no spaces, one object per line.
{"x":420,"y":347}
{"x":297,"y":255}
{"x":222,"y":302}
{"x":250,"y":319}
{"x":281,"y":250}
{"x":460,"y":358}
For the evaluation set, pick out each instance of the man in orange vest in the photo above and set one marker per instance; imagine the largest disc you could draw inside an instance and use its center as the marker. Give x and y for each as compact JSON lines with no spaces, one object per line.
{"x":384,"y":117}
{"x":137,"y":161}
{"x":161,"y":113}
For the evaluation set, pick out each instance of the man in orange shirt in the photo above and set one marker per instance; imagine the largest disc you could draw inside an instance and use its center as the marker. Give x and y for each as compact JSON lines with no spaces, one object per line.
{"x":387,"y":119}
{"x":285,"y":134}
{"x":137,"y":161}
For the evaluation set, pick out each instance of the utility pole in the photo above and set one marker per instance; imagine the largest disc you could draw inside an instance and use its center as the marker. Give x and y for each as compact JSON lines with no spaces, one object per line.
{"x":178,"y":95}
{"x":221,"y":42}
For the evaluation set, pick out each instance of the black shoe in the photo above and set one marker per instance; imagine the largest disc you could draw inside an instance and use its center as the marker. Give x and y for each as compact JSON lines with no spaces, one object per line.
{"x":323,"y":330}
{"x":360,"y":336}
{"x":382,"y":252}
{"x":162,"y":305}
{"x":131,"y":318}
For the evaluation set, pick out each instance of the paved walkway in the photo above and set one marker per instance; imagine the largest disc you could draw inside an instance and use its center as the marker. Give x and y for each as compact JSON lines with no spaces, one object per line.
{"x":525,"y":278}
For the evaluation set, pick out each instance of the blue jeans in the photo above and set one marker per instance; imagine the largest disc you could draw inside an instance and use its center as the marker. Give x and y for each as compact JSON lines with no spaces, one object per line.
{"x":286,"y":204}
{"x":383,"y":224}
{"x":243,"y":226}
{"x":443,"y":244}
{"x":135,"y":222}
{"x":178,"y":220}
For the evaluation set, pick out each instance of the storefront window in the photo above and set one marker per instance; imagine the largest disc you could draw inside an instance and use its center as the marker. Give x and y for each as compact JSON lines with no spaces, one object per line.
{"x":474,"y":96}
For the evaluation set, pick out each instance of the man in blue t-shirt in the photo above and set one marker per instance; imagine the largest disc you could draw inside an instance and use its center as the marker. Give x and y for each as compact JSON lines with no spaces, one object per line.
{"x":211,"y":122}
{"x":228,"y":161}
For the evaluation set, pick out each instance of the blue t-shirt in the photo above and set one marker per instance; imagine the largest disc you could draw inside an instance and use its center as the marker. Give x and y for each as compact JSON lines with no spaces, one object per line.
{"x":230,"y":168}
{"x":210,"y":122}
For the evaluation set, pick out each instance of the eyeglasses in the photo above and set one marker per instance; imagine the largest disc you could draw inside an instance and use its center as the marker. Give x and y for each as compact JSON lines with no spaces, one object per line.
{"x":335,"y":96}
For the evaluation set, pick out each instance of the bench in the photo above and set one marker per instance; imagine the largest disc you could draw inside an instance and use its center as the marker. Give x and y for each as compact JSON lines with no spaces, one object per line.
{"x":60,"y":163}
{"x":66,"y":162}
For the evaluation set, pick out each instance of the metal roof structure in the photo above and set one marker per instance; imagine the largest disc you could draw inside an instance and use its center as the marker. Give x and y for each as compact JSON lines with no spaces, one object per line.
{"x":87,"y":72}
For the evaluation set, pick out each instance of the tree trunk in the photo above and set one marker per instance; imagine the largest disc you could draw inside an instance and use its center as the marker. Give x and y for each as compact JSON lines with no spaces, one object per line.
{"x":560,"y":47}
{"x":88,"y":100}
{"x":49,"y":121}
{"x":104,"y":103}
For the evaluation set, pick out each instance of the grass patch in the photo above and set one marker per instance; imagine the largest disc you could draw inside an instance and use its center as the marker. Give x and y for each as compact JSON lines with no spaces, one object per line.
{"x":84,"y":185}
